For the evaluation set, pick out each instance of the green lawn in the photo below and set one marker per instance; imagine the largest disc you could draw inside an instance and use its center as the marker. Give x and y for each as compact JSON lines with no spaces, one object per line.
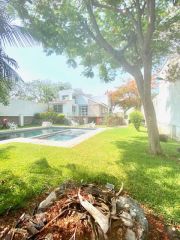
{"x":116,"y":155}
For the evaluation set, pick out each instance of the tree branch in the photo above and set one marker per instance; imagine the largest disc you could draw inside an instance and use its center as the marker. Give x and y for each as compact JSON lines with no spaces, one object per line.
{"x":138,"y":23}
{"x":99,"y":37}
{"x":95,"y":3}
{"x":118,"y":55}
{"x":151,"y":23}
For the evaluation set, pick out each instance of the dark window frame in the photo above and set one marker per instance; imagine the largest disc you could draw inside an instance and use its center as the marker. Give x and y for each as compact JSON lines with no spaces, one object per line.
{"x":58,"y":108}
{"x":83,"y":110}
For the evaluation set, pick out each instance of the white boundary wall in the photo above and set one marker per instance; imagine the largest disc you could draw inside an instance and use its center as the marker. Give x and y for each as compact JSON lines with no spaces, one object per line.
{"x":167,"y":107}
{"x":18,"y":107}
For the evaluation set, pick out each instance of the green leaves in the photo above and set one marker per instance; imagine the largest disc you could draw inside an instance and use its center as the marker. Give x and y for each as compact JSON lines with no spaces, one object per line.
{"x":106,"y":73}
{"x":136,"y":119}
{"x":39,"y":91}
{"x":88,"y":72}
{"x":72,"y":63}
{"x":65,"y":27}
{"x":13,"y":35}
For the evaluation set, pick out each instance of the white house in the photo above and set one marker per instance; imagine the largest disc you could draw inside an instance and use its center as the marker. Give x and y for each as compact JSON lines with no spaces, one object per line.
{"x":167,"y":106}
{"x":79,"y":106}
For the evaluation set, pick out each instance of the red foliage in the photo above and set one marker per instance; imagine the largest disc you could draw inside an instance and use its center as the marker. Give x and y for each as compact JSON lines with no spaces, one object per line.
{"x":126,"y":96}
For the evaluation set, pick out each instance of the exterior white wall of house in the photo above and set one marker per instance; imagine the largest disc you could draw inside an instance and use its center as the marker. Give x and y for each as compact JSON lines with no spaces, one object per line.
{"x":66,"y":94}
{"x":68,"y":108}
{"x":167,"y":107}
{"x":22,"y":107}
{"x":21,"y":111}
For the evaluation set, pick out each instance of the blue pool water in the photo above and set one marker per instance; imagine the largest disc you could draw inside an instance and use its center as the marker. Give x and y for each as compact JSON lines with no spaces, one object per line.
{"x":52,"y":134}
{"x":29,"y":133}
{"x":65,"y":135}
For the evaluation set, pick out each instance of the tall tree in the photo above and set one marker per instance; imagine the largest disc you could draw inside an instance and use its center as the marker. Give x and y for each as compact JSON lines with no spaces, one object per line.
{"x":110,"y":34}
{"x":43,"y":91}
{"x":13,"y":35}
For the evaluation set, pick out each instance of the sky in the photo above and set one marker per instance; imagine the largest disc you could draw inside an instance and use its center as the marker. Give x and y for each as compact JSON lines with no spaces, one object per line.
{"x":34,"y":64}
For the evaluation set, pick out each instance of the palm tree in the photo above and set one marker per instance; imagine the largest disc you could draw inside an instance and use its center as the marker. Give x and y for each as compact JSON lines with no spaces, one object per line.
{"x":15,"y":36}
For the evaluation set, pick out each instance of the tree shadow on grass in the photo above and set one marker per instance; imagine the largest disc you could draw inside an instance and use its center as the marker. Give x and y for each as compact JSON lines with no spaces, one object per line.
{"x":79,"y":173}
{"x":13,"y":190}
{"x":41,"y":166}
{"x":42,"y":175}
{"x":150,"y":179}
{"x":16,"y":190}
{"x":4,"y":152}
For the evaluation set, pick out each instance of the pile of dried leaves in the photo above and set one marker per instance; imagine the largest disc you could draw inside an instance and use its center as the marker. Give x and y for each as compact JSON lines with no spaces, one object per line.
{"x":80,"y":212}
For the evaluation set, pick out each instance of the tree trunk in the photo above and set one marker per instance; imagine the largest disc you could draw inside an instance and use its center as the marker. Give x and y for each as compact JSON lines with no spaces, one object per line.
{"x":144,"y":88}
{"x":150,"y":115}
{"x":153,"y":133}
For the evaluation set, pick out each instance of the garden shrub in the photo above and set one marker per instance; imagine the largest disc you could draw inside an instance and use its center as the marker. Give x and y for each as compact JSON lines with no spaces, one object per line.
{"x":37,"y":116}
{"x":113,"y":120}
{"x":136,"y":119}
{"x":60,"y":119}
{"x":163,"y":137}
{"x":36,"y":119}
{"x":50,"y":116}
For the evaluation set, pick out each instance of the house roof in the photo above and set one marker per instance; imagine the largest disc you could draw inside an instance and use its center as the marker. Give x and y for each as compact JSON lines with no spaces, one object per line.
{"x":82,"y":98}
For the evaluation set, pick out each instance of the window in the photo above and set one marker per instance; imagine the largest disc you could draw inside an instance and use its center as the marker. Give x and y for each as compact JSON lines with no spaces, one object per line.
{"x":83,"y":110}
{"x":58,"y":108}
{"x":103,"y":110}
{"x":65,"y":97}
{"x":73,"y":109}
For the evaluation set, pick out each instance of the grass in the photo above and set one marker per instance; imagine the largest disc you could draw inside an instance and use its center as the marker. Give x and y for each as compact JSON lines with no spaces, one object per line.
{"x":116,"y":155}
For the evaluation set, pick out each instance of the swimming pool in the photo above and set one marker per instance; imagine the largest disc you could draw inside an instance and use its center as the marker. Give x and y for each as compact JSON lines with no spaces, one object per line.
{"x":28,"y":133}
{"x":64,"y":135}
{"x":51,"y":134}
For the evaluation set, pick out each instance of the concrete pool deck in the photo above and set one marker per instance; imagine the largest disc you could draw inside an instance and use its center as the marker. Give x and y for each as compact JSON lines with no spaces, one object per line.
{"x":67,"y":144}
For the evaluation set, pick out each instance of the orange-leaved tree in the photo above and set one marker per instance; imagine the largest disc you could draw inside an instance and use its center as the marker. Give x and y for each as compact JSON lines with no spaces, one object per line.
{"x":126,"y":96}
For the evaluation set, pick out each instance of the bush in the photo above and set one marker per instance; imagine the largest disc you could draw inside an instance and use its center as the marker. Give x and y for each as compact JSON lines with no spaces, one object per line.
{"x":136,"y":119}
{"x":37,"y":116}
{"x":36,"y":119}
{"x":163,"y":137}
{"x":50,"y":116}
{"x":60,"y":119}
{"x":113,"y":120}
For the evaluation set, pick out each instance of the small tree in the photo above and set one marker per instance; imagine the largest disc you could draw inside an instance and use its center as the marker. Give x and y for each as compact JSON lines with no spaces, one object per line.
{"x":126,"y":96}
{"x":136,"y":119}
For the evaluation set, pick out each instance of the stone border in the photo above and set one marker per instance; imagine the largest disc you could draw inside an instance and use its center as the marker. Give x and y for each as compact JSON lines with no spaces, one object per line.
{"x":67,"y":144}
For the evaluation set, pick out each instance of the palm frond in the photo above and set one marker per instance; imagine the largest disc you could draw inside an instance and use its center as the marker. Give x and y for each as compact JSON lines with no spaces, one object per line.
{"x":7,"y":69}
{"x":11,"y":33}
